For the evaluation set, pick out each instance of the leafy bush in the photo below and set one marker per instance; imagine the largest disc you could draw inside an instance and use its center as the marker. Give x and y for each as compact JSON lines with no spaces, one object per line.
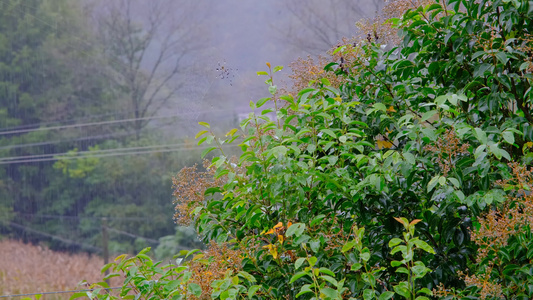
{"x":437,"y":130}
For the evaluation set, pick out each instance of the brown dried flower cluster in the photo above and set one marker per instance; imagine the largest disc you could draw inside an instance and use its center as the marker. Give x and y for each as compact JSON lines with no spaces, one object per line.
{"x":448,"y":148}
{"x":218,"y":261}
{"x":513,"y":217}
{"x":498,"y":225}
{"x":309,"y":70}
{"x":487,"y":288}
{"x":379,"y":30}
{"x":189,"y":188}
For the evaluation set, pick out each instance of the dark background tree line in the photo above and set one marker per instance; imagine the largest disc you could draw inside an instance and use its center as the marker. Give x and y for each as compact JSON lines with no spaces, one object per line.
{"x":92,"y":120}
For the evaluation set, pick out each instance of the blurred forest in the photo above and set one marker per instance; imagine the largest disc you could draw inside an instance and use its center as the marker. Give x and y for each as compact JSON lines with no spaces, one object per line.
{"x":99,"y":102}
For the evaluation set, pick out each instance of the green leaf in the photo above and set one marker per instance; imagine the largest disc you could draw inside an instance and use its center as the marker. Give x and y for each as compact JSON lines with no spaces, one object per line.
{"x":279,"y":151}
{"x":386,"y":295}
{"x":299,"y":263}
{"x":330,"y":279}
{"x":433,"y":182}
{"x":380,"y":106}
{"x":327,"y":271}
{"x":481,"y":135}
{"x":329,"y":132}
{"x":253,"y":290}
{"x":272,"y":89}
{"x":508,"y":136}
{"x":317,"y":219}
{"x":199,"y":134}
{"x":262,"y":101}
{"x":396,"y":263}
{"x":259,"y":73}
{"x":312,"y":261}
{"x":206,"y":151}
{"x":454,"y":181}
{"x":194,"y":289}
{"x":325,"y":81}
{"x":368,"y":294}
{"x":278,"y":68}
{"x":424,"y":246}
{"x":329,"y":293}
{"x":427,"y":115}
{"x":348,"y":246}
{"x":356,"y":266}
{"x":394,"y":242}
{"x":205,"y":124}
{"x":78,"y":295}
{"x":409,"y":158}
{"x":298,"y":276}
{"x":402,"y":290}
{"x":296,"y":229}
{"x":247,"y":276}
{"x":343,"y":139}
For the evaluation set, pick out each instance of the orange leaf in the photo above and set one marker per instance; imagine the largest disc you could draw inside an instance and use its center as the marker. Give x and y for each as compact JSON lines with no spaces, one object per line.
{"x":380,"y":144}
{"x":280,"y":238}
{"x":268,"y":64}
{"x":289,"y":224}
{"x":279,"y":225}
{"x":270,"y":231}
{"x":391,"y":109}
{"x":399,"y":220}
{"x":414,"y":222}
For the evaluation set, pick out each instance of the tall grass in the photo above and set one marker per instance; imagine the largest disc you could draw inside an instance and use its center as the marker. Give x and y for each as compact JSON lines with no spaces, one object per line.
{"x":27,"y":268}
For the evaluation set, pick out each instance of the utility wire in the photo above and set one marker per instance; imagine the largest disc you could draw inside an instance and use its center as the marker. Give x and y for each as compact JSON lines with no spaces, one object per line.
{"x":55,"y":237}
{"x":87,"y":217}
{"x":58,"y":292}
{"x":133,"y":235}
{"x":87,"y":138}
{"x":90,"y":152}
{"x":35,"y":126}
{"x":9,"y":162}
{"x":90,"y":124}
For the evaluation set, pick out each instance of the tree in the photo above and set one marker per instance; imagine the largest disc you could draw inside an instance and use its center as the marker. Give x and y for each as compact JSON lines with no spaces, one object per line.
{"x":316,"y":26}
{"x":147,"y":45}
{"x":409,"y":178}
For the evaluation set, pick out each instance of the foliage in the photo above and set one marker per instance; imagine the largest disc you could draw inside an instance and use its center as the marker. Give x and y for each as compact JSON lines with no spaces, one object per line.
{"x":53,"y":72}
{"x":436,"y":130}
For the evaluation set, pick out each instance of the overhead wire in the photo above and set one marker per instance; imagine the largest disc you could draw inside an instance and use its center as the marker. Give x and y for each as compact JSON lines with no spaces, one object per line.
{"x":59,"y":292}
{"x":25,"y":129}
{"x":87,"y":138}
{"x":108,"y":155}
{"x":108,"y":122}
{"x":89,"y":152}
{"x":86,"y":217}
{"x":55,"y":237}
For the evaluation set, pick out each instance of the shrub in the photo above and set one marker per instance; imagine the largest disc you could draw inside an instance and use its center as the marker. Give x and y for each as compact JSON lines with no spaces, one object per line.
{"x":436,"y":130}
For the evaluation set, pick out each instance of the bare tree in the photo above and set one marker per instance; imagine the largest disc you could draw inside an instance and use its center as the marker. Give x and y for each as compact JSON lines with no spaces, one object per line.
{"x":147,"y":45}
{"x":314,"y":26}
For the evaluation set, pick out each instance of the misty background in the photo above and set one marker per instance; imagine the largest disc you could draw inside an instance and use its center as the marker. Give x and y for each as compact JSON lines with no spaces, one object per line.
{"x":100,"y":102}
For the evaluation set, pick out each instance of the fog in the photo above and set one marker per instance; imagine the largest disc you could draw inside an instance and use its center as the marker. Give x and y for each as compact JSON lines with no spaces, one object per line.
{"x":100,"y":102}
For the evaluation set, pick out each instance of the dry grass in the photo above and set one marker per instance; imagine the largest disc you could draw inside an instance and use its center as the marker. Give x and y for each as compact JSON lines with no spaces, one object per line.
{"x":26,"y":268}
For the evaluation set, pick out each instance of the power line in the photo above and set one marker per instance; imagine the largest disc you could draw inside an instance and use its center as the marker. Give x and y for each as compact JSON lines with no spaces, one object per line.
{"x":91,"y":152}
{"x":35,"y":126}
{"x":109,"y":122}
{"x":132,"y":235}
{"x":55,"y":237}
{"x":106,"y":155}
{"x":87,"y":217}
{"x":58,"y":292}
{"x":88,"y":138}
